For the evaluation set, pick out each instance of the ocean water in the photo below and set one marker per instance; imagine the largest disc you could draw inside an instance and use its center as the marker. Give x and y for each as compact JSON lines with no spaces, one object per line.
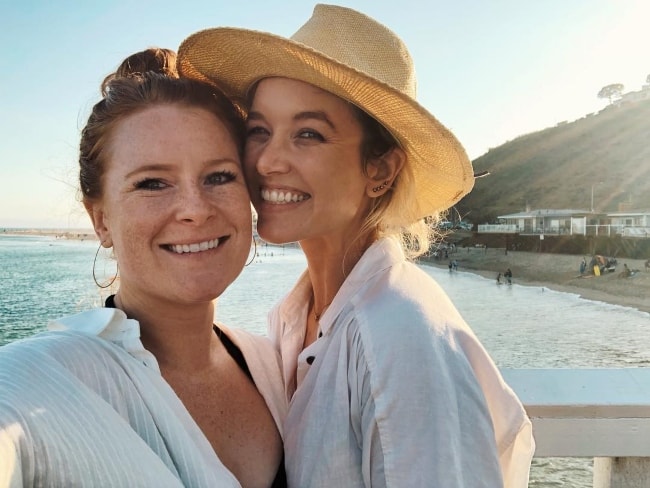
{"x":522,"y":327}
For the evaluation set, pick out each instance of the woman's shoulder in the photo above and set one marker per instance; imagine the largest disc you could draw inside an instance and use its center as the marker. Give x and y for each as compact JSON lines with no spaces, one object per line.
{"x":405,"y":309}
{"x":58,"y":342}
{"x":65,"y":358}
{"x":404,"y":293}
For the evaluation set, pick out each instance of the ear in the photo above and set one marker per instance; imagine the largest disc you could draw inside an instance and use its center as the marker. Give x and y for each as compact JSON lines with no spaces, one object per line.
{"x":383,"y":170}
{"x":99,"y":220}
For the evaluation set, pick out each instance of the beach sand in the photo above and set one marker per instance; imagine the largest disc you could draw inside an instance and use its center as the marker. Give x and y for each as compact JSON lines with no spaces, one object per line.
{"x":558,"y":272}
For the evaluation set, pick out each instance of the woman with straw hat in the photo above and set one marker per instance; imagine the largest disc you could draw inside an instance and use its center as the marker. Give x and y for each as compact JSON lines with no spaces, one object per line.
{"x":388,"y":385}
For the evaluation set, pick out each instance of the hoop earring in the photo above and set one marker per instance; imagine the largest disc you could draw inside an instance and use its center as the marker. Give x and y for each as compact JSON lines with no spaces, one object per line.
{"x":254,"y":252}
{"x":100,"y":285}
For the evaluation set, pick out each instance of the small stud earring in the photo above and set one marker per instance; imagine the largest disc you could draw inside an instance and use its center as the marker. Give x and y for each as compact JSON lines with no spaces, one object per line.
{"x":380,"y":187}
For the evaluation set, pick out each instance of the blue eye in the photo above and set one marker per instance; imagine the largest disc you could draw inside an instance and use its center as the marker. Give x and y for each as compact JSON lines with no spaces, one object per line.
{"x":220,"y":178}
{"x":256,"y":130}
{"x":310,"y":134}
{"x":151,"y":184}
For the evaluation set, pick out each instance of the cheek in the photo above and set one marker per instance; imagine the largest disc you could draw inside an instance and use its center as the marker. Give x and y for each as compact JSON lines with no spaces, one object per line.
{"x":244,"y":215}
{"x":248,"y":165}
{"x":130,"y":225}
{"x":250,"y":177}
{"x":236,"y":206}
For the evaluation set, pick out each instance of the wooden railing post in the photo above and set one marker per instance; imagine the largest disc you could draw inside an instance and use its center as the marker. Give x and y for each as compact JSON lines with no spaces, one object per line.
{"x":598,"y":413}
{"x":627,"y":472}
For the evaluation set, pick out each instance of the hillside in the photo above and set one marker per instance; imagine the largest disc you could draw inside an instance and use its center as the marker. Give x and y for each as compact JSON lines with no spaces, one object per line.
{"x":557,"y":167}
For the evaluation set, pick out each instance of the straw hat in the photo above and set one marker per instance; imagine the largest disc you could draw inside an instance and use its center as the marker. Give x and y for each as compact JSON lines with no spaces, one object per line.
{"x":356,"y":58}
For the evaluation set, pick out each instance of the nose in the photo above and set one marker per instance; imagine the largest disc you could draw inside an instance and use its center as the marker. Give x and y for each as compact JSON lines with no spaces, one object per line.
{"x":270,"y":158}
{"x":194,"y":205}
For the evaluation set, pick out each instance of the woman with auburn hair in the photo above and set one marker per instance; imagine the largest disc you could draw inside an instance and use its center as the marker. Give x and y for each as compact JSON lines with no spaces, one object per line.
{"x":149,"y":391}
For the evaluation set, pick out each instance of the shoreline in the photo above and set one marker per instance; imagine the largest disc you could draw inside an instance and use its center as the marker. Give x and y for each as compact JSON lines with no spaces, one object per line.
{"x":558,"y":272}
{"x":72,"y":234}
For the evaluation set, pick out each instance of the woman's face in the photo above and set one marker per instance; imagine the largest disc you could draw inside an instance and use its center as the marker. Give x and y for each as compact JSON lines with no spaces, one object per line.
{"x":303,"y":164}
{"x":175,"y":205}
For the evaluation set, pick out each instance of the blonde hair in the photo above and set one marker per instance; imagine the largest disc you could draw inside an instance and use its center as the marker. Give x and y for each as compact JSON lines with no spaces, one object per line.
{"x":395,"y":213}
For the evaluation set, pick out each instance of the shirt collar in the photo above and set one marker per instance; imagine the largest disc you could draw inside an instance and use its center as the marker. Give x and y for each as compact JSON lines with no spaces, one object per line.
{"x":110,"y":324}
{"x":381,"y":255}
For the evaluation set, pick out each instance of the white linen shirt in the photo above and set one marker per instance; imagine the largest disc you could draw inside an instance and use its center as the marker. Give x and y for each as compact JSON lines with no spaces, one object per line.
{"x":397,"y":391}
{"x":87,"y":406}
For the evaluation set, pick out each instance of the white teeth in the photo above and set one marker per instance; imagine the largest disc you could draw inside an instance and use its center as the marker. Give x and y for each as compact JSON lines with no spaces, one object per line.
{"x":196,"y":247}
{"x":280,"y":197}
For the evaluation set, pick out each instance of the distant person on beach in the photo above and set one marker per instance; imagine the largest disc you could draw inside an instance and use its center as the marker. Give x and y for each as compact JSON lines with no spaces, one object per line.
{"x":499,"y":279}
{"x":388,"y":384}
{"x":626,"y":273}
{"x":508,"y":276}
{"x":583,"y":266}
{"x":156,"y":59}
{"x":149,"y":391}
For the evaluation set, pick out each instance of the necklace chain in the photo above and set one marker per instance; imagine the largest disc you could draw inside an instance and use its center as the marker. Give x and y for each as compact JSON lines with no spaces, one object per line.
{"x":318,"y":315}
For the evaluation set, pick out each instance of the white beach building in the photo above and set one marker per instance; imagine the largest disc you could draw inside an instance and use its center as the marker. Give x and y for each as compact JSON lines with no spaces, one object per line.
{"x":630,"y":223}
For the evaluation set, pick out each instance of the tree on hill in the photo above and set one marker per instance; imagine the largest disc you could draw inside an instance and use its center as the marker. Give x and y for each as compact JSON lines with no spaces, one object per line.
{"x":611,"y":91}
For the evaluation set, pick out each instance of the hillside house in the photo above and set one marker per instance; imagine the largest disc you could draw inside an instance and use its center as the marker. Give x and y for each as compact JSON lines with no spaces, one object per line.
{"x":631,"y":223}
{"x":543,"y":221}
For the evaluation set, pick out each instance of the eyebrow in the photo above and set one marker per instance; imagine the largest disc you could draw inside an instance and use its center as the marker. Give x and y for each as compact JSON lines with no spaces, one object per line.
{"x":307,"y":115}
{"x":166,"y":167}
{"x":317,"y":114}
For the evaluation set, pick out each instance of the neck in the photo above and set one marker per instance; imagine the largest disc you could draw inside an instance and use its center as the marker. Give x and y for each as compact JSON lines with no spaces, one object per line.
{"x":180,"y":336}
{"x":329,"y":265}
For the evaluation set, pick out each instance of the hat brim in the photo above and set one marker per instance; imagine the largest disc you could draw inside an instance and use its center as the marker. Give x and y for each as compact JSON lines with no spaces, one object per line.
{"x":235,"y":59}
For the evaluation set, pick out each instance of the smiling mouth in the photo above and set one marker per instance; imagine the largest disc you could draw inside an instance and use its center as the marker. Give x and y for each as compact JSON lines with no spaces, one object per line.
{"x":280,"y":197}
{"x":195,"y":247}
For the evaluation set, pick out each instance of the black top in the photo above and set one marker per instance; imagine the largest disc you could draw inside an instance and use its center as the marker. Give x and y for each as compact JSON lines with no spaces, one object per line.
{"x":281,"y":478}
{"x":232,"y":349}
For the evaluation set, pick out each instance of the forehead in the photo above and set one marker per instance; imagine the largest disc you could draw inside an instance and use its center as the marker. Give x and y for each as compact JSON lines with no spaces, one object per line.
{"x":283,"y":90}
{"x":168,"y":121}
{"x":169,"y":131}
{"x":299,"y":89}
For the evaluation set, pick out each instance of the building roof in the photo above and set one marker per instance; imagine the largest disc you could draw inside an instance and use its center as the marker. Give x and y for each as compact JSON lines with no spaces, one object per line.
{"x":545,"y":212}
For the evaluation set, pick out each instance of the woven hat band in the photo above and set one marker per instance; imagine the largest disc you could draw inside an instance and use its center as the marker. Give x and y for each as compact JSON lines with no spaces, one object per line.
{"x":361,"y":43}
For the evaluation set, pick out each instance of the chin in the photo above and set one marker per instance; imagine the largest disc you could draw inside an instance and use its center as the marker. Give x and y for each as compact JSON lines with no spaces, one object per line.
{"x":274,"y":237}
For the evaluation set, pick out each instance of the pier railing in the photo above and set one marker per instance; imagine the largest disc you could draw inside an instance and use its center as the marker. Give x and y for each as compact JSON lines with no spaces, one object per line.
{"x":599,"y":413}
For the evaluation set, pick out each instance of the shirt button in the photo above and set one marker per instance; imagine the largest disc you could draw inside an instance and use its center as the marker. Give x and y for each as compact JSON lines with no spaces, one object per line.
{"x":320,"y":334}
{"x":310,"y":359}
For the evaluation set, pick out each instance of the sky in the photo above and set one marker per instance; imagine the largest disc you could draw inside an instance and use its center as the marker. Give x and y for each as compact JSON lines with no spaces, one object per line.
{"x":490,"y":70}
